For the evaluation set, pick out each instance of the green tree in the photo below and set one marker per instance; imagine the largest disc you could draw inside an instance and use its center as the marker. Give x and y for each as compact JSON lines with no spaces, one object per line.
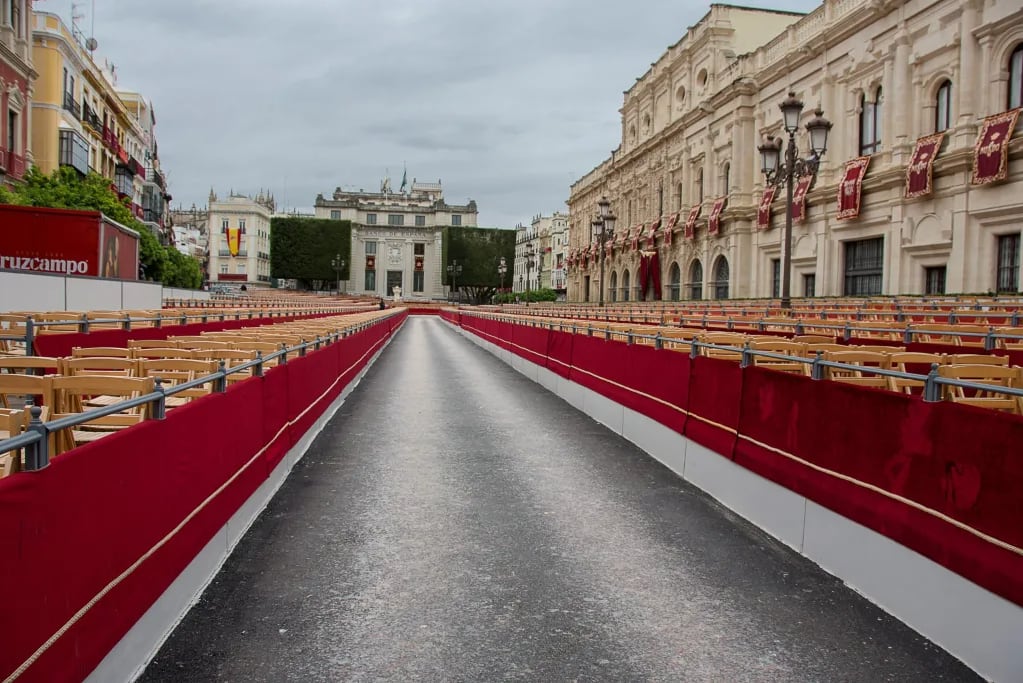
{"x":478,"y":251}
{"x":66,"y":189}
{"x":303,"y":248}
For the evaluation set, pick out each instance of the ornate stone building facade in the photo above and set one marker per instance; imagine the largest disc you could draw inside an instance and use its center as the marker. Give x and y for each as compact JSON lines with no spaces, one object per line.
{"x":397,"y":237}
{"x":927,"y":216}
{"x":238,"y":231}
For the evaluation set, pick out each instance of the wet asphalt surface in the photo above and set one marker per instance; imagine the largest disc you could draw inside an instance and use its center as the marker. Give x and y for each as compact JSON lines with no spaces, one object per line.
{"x":456,"y":522}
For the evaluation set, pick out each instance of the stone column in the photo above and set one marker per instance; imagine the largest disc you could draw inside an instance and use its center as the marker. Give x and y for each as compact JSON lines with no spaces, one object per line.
{"x":900,"y":99}
{"x":969,"y":53}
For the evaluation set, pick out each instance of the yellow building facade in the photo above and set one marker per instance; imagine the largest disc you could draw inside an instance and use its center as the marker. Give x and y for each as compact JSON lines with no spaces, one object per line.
{"x":78,"y":118}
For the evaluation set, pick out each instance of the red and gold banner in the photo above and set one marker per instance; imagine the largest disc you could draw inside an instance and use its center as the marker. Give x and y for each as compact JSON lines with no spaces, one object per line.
{"x":799,"y":197}
{"x":634,"y":237}
{"x":651,"y":233}
{"x":714,"y":222}
{"x":990,"y":152}
{"x":764,"y":208}
{"x":419,"y":263}
{"x":234,"y":240}
{"x":694,"y":213}
{"x":609,"y":247}
{"x":849,"y":190}
{"x":371,"y":262}
{"x":669,"y":229}
{"x":919,"y":173}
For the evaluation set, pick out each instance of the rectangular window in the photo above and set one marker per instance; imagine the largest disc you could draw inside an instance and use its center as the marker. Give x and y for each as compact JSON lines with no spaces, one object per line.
{"x":810,"y":284}
{"x":335,"y":215}
{"x":395,"y":219}
{"x":456,"y":219}
{"x":864,"y":267}
{"x":420,"y":221}
{"x":417,"y":281}
{"x":776,"y":277}
{"x":74,"y":151}
{"x":934,"y":280}
{"x":224,"y":224}
{"x":1008,"y":263}
{"x":12,"y":131}
{"x":371,"y":248}
{"x":241,"y":268}
{"x":419,"y":249}
{"x":371,"y":281}
{"x":241,"y":225}
{"x":223,"y":268}
{"x":371,"y":219}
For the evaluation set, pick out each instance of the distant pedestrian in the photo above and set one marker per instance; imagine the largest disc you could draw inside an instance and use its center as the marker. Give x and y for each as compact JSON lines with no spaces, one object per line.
{"x":382,"y":304}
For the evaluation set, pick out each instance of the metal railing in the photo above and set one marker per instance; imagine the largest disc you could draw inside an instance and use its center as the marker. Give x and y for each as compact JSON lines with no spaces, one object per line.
{"x":932,"y":382}
{"x":83,"y":323}
{"x":35,"y":441}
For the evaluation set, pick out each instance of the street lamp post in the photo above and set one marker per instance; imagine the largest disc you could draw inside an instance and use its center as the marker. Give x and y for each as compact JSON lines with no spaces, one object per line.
{"x":529,"y":264}
{"x":603,"y":225}
{"x":502,"y":268}
{"x":338,"y":264}
{"x":454,"y":269}
{"x":787,"y":173}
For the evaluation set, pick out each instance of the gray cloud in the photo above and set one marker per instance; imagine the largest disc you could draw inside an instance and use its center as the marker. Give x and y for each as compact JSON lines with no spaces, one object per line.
{"x":507,"y":102}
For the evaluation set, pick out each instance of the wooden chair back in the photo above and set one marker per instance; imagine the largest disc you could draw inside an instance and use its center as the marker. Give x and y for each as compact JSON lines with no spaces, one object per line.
{"x":149,"y":344}
{"x":100,"y":352}
{"x":862,"y":359}
{"x":911,"y":361}
{"x":976,"y":359}
{"x":71,"y":396}
{"x":106,"y":367}
{"x":994,"y":375}
{"x":16,"y":388}
{"x":174,"y":371}
{"x":31,"y":365}
{"x":162,"y":352}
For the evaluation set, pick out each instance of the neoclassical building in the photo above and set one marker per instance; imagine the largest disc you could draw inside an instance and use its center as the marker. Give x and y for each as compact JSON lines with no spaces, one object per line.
{"x":397,"y":237}
{"x":923,"y":96}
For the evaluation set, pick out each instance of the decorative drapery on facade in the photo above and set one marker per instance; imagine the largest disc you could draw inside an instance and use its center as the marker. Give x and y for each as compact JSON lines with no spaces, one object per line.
{"x":634,"y":238}
{"x":764,"y":208}
{"x":652,"y":233}
{"x":419,"y":263}
{"x":920,"y":172}
{"x":669,"y":229}
{"x":799,"y":197}
{"x":649,"y":273}
{"x":234,"y":240}
{"x":714,"y":222}
{"x":694,"y":213}
{"x":991,"y":151}
{"x":850,"y":189}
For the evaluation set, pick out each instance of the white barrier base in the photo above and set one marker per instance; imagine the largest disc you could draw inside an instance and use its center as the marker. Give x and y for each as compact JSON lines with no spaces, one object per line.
{"x":982,"y":629}
{"x":129,"y":658}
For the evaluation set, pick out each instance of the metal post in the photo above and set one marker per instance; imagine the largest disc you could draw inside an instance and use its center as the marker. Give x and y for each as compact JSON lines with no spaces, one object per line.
{"x":220,"y":383}
{"x":790,"y":175}
{"x":37,"y":455}
{"x":817,"y":370}
{"x":160,"y":407}
{"x":30,"y":335}
{"x":932,"y":390}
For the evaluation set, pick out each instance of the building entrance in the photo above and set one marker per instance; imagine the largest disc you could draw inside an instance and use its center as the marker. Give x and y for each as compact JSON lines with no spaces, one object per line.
{"x":393,"y":280}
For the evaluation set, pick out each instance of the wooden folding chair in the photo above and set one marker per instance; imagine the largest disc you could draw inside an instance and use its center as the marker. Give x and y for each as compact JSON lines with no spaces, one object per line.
{"x":813,"y":339}
{"x":31,"y":365}
{"x":231,"y":358}
{"x":100,"y":352}
{"x":786,"y":347}
{"x":722,"y":339}
{"x":976,"y":359}
{"x":149,"y":344}
{"x":994,"y":375}
{"x":175,"y":371}
{"x":105,"y":366}
{"x":16,"y":389}
{"x":911,"y":361}
{"x":71,"y":395}
{"x":862,"y":359}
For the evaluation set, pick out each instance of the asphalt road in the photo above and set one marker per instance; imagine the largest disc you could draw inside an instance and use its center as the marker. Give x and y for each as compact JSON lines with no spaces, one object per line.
{"x":457,"y":522}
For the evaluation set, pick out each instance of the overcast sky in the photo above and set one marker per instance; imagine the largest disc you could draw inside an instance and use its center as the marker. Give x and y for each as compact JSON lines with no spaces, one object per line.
{"x":507,"y":102}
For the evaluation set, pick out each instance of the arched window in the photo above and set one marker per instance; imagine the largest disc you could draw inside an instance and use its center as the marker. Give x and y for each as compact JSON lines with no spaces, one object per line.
{"x":678,"y":197}
{"x":721,"y":278}
{"x":696,"y":280}
{"x":943,"y":107}
{"x":698,"y":186}
{"x":726,"y":178}
{"x":674,"y":282}
{"x":625,"y":285}
{"x":1016,"y":77}
{"x":613,"y":289}
{"x":870,"y":123}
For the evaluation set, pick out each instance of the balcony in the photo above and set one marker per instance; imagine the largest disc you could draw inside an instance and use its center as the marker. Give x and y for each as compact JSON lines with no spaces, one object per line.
{"x":226,"y":253}
{"x":13,"y":164}
{"x":138,"y":168}
{"x":109,"y":139}
{"x":91,"y":119}
{"x":71,"y":106}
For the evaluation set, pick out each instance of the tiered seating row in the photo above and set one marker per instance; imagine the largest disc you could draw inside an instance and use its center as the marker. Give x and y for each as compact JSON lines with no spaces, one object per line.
{"x":886,"y":367}
{"x":184,"y":367}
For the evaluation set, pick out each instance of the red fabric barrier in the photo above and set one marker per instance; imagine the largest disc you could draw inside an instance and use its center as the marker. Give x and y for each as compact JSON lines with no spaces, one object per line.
{"x":715,"y":387}
{"x":532,"y":342}
{"x":925,"y":453}
{"x":940,"y":478}
{"x":559,"y":353}
{"x":58,"y":345}
{"x":113,"y":523}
